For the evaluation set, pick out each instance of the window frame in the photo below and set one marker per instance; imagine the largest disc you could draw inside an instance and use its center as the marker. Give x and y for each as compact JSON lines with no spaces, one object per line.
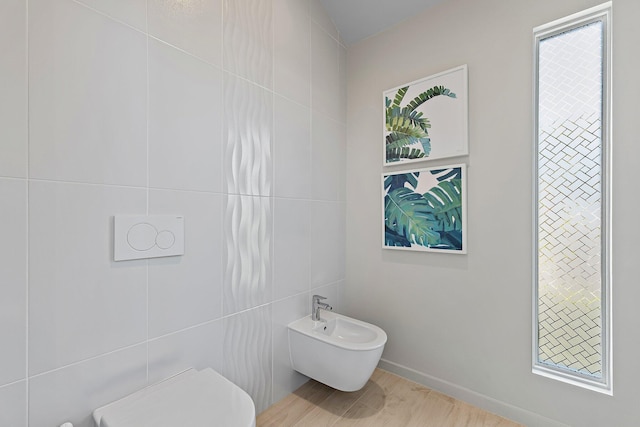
{"x":601,"y":13}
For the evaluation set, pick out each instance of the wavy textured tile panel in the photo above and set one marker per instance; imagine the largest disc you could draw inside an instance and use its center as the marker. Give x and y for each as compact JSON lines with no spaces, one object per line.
{"x":248,"y":353}
{"x":248,"y":134}
{"x":248,"y":40}
{"x":248,"y":252}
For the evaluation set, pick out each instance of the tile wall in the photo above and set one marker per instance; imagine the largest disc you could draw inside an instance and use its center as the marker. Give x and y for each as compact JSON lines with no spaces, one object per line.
{"x":229,"y":112}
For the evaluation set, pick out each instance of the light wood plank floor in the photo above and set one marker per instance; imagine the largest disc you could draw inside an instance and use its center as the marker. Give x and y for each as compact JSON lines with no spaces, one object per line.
{"x":386,"y":400}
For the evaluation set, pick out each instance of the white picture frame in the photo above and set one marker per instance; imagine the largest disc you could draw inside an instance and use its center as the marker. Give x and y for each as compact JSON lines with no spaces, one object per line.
{"x":426,"y":119}
{"x":425,"y":209}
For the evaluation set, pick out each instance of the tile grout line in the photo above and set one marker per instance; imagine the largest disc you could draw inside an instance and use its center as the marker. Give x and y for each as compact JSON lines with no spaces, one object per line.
{"x":28,"y":207}
{"x":272,"y":193}
{"x":148,"y":183}
{"x":311,"y":126}
{"x":224,"y":196}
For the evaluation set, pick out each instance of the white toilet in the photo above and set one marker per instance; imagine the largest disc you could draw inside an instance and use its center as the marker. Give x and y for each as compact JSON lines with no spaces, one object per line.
{"x":193,"y":398}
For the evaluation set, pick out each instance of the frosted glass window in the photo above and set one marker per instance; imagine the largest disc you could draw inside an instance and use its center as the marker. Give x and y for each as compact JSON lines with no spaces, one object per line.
{"x":571,"y":284}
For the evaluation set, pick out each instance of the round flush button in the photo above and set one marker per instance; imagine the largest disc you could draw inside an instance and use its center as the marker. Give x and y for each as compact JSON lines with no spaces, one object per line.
{"x":165,"y":239}
{"x":142,"y":236}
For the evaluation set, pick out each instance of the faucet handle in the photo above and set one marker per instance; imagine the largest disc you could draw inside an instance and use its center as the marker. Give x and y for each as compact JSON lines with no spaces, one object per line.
{"x":318,"y":297}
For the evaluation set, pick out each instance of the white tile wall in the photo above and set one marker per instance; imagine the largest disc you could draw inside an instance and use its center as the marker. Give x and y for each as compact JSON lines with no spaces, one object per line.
{"x":185,"y":121}
{"x":328,"y":154}
{"x":248,"y":134}
{"x":248,"y":353}
{"x":327,"y":251}
{"x":13,"y":277}
{"x":292,"y":241}
{"x":71,"y":393}
{"x":341,"y":164}
{"x":87,"y":96}
{"x":248,"y":40}
{"x":321,"y":17}
{"x":129,"y":119}
{"x":13,"y":90}
{"x":325,"y":73}
{"x":247,"y":254}
{"x":193,"y":26}
{"x":285,"y":311}
{"x":292,"y":149}
{"x":130,"y":12}
{"x":187,"y":290}
{"x":13,"y":404}
{"x":81,"y":303}
{"x":291,"y":55}
{"x":342,"y":70}
{"x":197,"y":347}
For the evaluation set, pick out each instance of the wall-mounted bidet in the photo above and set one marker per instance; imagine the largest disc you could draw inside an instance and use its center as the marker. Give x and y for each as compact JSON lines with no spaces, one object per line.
{"x":336,"y":350}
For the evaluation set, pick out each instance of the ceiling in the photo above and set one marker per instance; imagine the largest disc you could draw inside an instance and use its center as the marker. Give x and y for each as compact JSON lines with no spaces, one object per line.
{"x":359,"y":19}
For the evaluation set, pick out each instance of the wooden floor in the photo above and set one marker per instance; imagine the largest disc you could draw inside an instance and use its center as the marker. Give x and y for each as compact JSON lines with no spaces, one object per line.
{"x":386,"y":400}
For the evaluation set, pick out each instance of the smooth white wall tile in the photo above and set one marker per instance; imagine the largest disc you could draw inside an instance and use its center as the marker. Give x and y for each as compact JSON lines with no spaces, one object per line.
{"x":248,"y":131}
{"x":291,"y":50}
{"x":338,"y":304}
{"x":320,"y":16}
{"x":187,"y":290}
{"x":194,"y":26}
{"x":292,"y":149}
{"x":325,"y":73}
{"x":13,"y":280}
{"x":13,"y":405}
{"x":327,"y":157}
{"x":328,"y":249}
{"x":248,"y":353}
{"x":72,"y":393}
{"x":81,"y":302}
{"x":342,"y":163}
{"x":13,"y":90}
{"x":248,"y":40}
{"x":87,"y":96}
{"x":291,"y":243}
{"x":247,"y":252}
{"x":185,"y":121}
{"x":131,"y":12}
{"x":200,"y":347}
{"x":285,"y":311}
{"x":342,"y":86}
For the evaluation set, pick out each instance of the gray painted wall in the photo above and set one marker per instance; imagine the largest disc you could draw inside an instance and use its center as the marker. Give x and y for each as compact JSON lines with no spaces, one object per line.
{"x":463,"y":323}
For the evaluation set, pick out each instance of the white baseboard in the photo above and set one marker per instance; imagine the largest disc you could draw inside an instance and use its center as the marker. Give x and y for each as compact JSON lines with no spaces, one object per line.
{"x":514,"y":413}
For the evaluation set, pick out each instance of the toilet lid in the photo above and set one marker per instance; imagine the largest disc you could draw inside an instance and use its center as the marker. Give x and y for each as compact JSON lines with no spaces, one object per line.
{"x":193,"y":398}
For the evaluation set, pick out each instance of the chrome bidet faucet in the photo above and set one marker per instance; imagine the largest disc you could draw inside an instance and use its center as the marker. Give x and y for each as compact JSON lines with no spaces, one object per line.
{"x":316,"y":305}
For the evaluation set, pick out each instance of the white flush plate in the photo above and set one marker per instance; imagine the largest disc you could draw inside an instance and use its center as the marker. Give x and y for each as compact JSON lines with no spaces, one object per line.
{"x":142,"y":236}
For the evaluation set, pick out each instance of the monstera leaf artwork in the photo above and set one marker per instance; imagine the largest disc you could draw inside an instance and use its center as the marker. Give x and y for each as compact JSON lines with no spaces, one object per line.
{"x":426,"y":119}
{"x":425,"y":209}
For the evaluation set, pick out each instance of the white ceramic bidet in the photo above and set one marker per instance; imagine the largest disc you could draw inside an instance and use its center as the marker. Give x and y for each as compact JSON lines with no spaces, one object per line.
{"x":337,"y":350}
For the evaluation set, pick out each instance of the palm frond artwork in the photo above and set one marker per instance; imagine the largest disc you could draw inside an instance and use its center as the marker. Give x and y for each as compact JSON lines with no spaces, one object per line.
{"x":407,"y":127}
{"x":425,"y":209}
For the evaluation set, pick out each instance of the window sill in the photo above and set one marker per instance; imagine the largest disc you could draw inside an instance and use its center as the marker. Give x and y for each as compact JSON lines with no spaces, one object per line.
{"x":567,"y":378}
